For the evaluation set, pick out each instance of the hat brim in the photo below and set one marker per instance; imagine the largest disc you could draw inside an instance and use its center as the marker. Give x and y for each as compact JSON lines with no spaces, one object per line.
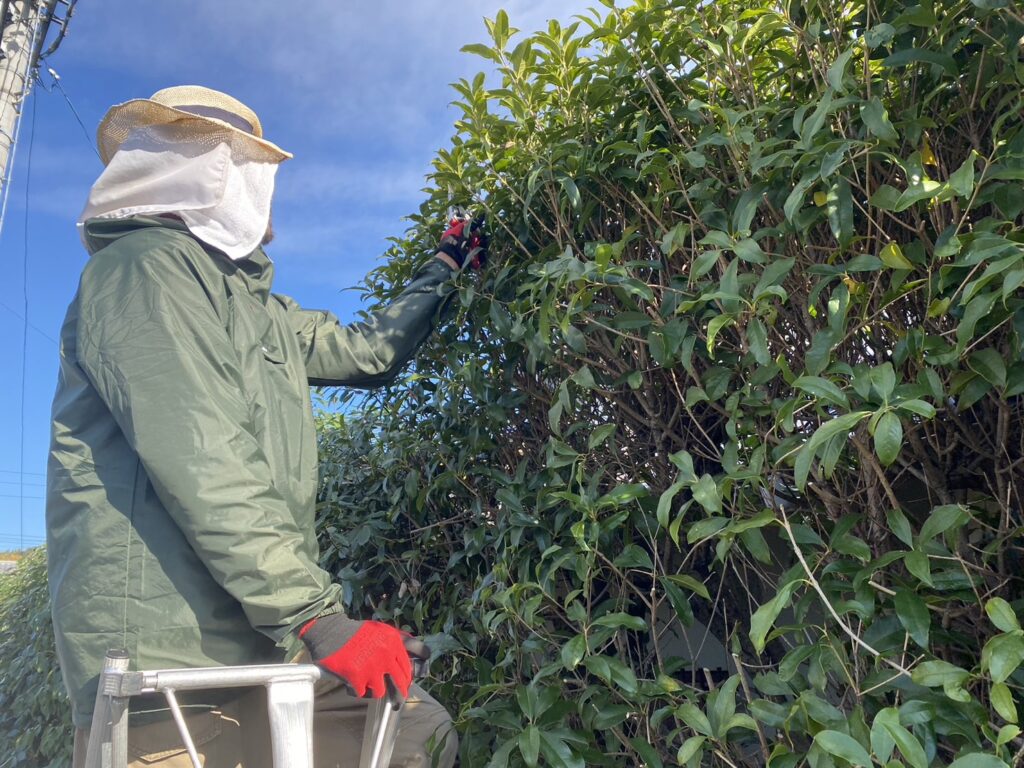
{"x":122,"y":119}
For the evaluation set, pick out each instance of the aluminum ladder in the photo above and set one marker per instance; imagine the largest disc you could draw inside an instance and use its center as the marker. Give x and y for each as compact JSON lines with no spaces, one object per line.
{"x":289,"y":706}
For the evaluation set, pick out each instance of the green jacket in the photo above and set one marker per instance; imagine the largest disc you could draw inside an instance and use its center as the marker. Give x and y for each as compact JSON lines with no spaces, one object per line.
{"x":183,"y":465}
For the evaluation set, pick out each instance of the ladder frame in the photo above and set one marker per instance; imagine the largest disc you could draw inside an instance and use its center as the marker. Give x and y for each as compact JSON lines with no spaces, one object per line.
{"x":290,"y":694}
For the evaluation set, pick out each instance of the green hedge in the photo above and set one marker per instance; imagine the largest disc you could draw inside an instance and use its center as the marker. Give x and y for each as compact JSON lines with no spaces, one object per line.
{"x":35,"y":715}
{"x":744,"y":375}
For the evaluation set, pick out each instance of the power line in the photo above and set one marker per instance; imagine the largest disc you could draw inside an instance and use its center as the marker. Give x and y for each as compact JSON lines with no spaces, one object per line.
{"x":85,"y":131}
{"x":34,"y":327}
{"x":18,"y":472}
{"x":24,"y":332}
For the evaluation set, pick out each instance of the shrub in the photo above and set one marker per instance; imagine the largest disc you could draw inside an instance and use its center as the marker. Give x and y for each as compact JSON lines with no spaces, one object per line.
{"x":746,"y":365}
{"x":35,"y":715}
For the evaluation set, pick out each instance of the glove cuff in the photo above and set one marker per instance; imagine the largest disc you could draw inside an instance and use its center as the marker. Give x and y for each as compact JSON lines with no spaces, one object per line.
{"x":453,"y":251}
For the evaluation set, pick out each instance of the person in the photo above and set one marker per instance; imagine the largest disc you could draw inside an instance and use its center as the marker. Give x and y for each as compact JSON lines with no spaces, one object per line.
{"x":183,"y":466}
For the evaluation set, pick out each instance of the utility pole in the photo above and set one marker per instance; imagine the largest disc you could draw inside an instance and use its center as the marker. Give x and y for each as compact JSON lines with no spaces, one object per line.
{"x":24,"y":27}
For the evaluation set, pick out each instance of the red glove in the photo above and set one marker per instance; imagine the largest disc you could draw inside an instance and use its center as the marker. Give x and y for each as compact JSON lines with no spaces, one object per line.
{"x":362,"y":652}
{"x":465,"y":242}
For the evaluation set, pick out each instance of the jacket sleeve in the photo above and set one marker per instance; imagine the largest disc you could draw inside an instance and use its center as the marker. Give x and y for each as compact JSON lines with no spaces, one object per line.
{"x":154,"y":347}
{"x":371,"y":352}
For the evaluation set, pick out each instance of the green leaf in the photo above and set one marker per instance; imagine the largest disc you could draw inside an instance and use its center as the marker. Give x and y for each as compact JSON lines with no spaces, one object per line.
{"x":900,"y":526}
{"x":1007,"y":733}
{"x":933,"y":674}
{"x":714,"y":328}
{"x":690,"y":583}
{"x":1002,"y":655}
{"x":882,"y":744}
{"x":823,"y":389}
{"x":795,"y":200}
{"x":705,"y":492}
{"x":919,"y":566}
{"x":941,"y":520}
{"x":502,"y":753}
{"x":978,"y":760}
{"x":885,"y":197}
{"x":888,"y":438}
{"x":722,"y":705}
{"x":695,"y":718}
{"x":745,"y":209}
{"x":1002,"y":702}
{"x":843,"y":746}
{"x":813,"y":124}
{"x":892,"y":256}
{"x":574,"y":651}
{"x":648,"y":754}
{"x":919,"y":407}
{"x":571,"y":191}
{"x":912,"y":55}
{"x":883,"y":380}
{"x":599,"y":435}
{"x":764,"y":617}
{"x":819,"y":355}
{"x":683,"y":461}
{"x":703,"y":529}
{"x":478,"y":49}
{"x":913,"y":615}
{"x":839,"y":207}
{"x":665,"y":502}
{"x":776,"y":270}
{"x":990,"y":365}
{"x":621,"y":620}
{"x":908,"y":746}
{"x":557,"y":752}
{"x":838,"y":68}
{"x":1002,"y":615}
{"x":961,"y":180}
{"x":690,"y":748}
{"x":876,"y":118}
{"x":828,"y":430}
{"x":529,"y":745}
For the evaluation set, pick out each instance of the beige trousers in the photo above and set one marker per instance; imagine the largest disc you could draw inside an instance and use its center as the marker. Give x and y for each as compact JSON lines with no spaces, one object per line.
{"x":237,"y":736}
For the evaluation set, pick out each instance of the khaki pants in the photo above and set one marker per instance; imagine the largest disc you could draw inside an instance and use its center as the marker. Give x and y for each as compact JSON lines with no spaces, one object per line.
{"x":238,"y":735}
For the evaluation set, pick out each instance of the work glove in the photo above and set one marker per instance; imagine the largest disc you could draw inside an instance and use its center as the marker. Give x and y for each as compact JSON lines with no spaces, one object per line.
{"x":465,"y":241}
{"x":363,"y":653}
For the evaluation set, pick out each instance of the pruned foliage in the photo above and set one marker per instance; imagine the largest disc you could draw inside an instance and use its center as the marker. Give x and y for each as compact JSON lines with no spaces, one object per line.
{"x":744,"y":373}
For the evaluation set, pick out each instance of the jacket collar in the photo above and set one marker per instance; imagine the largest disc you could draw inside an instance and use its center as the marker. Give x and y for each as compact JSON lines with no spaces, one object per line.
{"x":256,"y":269}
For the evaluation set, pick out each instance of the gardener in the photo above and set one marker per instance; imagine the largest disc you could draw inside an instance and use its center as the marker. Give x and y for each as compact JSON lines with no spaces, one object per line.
{"x":183,"y":466}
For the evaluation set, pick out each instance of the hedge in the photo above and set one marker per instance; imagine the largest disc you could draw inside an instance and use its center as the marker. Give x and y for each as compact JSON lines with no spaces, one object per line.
{"x":744,"y":374}
{"x":719,"y":462}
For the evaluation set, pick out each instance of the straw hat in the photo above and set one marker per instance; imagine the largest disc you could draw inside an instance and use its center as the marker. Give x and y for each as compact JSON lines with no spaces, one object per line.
{"x":196,"y":115}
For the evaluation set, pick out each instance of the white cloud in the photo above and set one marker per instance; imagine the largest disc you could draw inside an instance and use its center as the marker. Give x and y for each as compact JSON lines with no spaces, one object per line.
{"x":334,"y":70}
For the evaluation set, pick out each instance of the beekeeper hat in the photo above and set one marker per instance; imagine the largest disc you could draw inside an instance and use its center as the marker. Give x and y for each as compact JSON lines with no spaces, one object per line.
{"x":196,"y":115}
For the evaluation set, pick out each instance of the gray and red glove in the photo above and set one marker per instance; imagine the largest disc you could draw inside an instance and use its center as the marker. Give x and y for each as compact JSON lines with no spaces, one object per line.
{"x":363,"y":653}
{"x":465,"y":242}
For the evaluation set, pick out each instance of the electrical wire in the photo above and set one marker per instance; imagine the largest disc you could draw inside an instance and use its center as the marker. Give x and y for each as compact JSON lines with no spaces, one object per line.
{"x":35,"y":328}
{"x":24,"y":332}
{"x":85,"y":131}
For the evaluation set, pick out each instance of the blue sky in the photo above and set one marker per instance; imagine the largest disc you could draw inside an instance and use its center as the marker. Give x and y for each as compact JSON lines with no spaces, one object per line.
{"x":358,"y":91}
